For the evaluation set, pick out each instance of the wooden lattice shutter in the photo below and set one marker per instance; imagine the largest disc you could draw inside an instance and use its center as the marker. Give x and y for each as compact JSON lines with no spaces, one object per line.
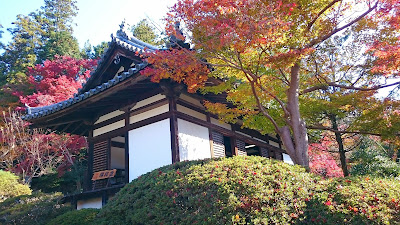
{"x":100,"y":161}
{"x":240,"y":145}
{"x":264,"y":152}
{"x":218,"y":144}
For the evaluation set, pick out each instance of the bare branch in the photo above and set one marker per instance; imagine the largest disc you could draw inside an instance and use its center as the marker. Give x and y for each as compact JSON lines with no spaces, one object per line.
{"x":323,"y":38}
{"x":284,"y":76}
{"x":261,"y":107}
{"x":320,"y":13}
{"x":342,"y":131}
{"x":331,"y":84}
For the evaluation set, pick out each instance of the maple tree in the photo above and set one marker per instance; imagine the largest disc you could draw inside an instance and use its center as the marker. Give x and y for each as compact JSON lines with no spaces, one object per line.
{"x":266,"y":51}
{"x":35,"y":37}
{"x":321,"y":161}
{"x":35,"y":152}
{"x":56,"y":80}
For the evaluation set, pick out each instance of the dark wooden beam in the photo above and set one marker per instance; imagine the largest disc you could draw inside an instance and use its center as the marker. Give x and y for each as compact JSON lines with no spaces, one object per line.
{"x":226,"y":132}
{"x":90,"y":161}
{"x":210,"y":137}
{"x":127,"y":157}
{"x":148,"y":107}
{"x":123,"y":130}
{"x":76,"y":128}
{"x":66,"y":127}
{"x":117,"y":144}
{"x":173,"y":121}
{"x":61,"y":114}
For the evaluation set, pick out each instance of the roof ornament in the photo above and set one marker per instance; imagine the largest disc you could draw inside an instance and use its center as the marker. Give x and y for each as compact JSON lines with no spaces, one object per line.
{"x":175,"y":41}
{"x":122,"y":30}
{"x":28,"y":109}
{"x":117,"y":59}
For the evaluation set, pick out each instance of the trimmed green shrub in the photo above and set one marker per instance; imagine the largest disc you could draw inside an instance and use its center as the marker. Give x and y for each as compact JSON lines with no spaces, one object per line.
{"x":250,"y":190}
{"x":37,"y":208}
{"x":373,"y":161}
{"x":11,"y":187}
{"x":76,"y":217}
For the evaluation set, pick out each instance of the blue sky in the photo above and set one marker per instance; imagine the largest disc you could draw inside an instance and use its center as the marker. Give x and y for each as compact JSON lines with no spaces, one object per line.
{"x":96,"y":20}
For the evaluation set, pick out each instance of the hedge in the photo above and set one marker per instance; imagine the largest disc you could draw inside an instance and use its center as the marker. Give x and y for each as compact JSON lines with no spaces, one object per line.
{"x":251,"y":190}
{"x":38,"y":208}
{"x":76,"y":217}
{"x":11,"y":187}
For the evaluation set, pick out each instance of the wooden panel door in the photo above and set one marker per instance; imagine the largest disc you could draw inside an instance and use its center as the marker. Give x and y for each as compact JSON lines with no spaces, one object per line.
{"x":100,"y":161}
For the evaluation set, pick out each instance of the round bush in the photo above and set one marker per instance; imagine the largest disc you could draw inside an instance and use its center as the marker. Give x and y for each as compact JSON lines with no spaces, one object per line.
{"x":250,"y":190}
{"x":37,"y":208}
{"x":233,"y":190}
{"x":76,"y":217}
{"x":11,"y":187}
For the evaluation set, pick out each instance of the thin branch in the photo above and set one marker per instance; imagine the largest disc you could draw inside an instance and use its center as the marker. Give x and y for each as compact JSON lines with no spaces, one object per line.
{"x":342,"y":131}
{"x":323,"y":38}
{"x":259,"y":60}
{"x":320,"y":13}
{"x":331,"y":84}
{"x":261,"y":107}
{"x":281,"y":103}
{"x":284,"y":76}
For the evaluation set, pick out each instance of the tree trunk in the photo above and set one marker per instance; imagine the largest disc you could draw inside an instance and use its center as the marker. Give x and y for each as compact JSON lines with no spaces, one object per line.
{"x":296,"y":144}
{"x":339,"y":140}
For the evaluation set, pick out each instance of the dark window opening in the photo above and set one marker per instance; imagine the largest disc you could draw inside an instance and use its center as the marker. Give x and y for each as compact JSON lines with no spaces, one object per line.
{"x":252,"y":149}
{"x":228,"y":147}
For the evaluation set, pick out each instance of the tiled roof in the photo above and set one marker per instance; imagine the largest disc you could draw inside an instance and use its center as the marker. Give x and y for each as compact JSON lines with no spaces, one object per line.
{"x":122,"y":39}
{"x":37,"y":112}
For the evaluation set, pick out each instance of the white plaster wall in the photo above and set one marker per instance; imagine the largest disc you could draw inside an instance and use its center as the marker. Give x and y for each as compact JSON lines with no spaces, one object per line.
{"x":191,"y":112}
{"x":287,"y":159}
{"x":148,"y":101}
{"x":108,"y":128}
{"x":109,"y":116}
{"x":221,"y":124}
{"x":149,"y":148}
{"x":92,"y":203}
{"x":193,"y":141}
{"x":117,"y":158}
{"x":192,"y":100}
{"x":153,"y":112}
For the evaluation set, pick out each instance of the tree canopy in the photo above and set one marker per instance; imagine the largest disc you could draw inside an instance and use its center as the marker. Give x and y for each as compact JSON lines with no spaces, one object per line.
{"x":145,"y":32}
{"x":274,"y":57}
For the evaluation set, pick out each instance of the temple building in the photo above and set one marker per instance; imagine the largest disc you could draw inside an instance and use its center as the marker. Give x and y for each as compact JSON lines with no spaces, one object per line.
{"x":134,"y":125}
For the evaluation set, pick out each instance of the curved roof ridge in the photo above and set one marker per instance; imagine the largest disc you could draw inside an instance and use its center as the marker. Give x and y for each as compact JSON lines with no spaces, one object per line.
{"x":36,"y":112}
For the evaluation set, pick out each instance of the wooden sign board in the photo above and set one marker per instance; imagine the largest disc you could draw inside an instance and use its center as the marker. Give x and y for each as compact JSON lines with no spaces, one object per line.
{"x":104,"y":174}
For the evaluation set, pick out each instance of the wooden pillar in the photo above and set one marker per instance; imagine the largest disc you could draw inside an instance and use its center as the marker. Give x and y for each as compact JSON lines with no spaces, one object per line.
{"x":174,"y":129}
{"x":90,"y":161}
{"x":172,"y":91}
{"x":127,"y":157}
{"x":210,"y":137}
{"x":127,"y":115}
{"x":233,"y":146}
